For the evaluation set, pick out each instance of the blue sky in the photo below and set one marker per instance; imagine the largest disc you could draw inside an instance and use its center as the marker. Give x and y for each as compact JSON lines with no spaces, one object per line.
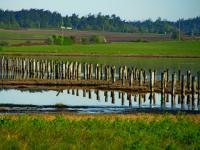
{"x":126,"y":9}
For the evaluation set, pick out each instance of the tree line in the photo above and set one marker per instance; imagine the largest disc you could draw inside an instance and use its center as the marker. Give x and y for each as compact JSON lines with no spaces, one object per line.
{"x":39,"y":18}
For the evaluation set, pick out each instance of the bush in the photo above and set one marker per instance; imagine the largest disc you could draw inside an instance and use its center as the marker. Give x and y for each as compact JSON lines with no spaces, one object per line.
{"x":58,"y":39}
{"x":49,"y":41}
{"x":4,"y":43}
{"x":68,"y":41}
{"x":84,"y":40}
{"x":93,"y":39}
{"x":174,"y":35}
{"x":97,"y":39}
{"x":1,"y":48}
{"x":61,"y":40}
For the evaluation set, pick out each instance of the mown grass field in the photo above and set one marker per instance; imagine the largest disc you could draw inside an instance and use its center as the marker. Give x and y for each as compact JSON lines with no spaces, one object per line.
{"x":72,"y":131}
{"x":184,"y":48}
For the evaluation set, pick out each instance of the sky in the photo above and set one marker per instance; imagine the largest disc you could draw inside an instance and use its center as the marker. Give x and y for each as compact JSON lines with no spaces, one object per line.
{"x":130,"y":10}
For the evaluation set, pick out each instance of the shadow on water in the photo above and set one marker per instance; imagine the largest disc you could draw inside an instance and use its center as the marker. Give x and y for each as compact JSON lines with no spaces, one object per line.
{"x":93,"y":101}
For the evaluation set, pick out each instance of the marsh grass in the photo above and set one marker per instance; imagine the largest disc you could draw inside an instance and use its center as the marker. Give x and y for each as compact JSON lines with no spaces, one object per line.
{"x":150,"y":48}
{"x":61,"y":132}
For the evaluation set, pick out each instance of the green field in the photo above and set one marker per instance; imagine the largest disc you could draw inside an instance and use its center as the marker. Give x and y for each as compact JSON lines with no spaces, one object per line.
{"x":185,"y":48}
{"x":25,"y":132}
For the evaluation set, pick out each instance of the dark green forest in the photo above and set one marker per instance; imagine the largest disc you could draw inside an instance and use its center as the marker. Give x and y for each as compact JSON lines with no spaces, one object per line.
{"x":39,"y":18}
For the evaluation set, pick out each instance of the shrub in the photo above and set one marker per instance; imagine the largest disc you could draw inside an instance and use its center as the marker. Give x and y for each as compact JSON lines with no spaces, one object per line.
{"x":84,"y":40}
{"x":97,"y":39}
{"x":1,"y":48}
{"x":68,"y":41}
{"x":4,"y":43}
{"x":58,"y":39}
{"x":49,"y":41}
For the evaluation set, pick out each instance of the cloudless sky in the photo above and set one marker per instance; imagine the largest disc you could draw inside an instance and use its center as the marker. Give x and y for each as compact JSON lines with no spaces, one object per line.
{"x":126,"y":9}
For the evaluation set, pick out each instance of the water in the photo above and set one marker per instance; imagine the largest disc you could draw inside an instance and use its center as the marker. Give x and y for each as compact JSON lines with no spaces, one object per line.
{"x":92,"y":101}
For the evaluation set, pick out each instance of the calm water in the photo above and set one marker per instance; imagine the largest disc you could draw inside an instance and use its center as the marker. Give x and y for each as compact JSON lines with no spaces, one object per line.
{"x":95,"y":101}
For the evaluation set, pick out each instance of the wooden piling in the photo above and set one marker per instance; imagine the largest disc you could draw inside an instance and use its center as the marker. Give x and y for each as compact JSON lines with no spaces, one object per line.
{"x":182,"y":88}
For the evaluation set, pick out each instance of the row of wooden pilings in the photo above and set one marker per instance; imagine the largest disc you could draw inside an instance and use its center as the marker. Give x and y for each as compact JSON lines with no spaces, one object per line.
{"x":27,"y":68}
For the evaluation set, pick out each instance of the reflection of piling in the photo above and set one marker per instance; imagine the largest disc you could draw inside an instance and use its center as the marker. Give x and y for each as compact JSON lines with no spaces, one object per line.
{"x":89,"y":94}
{"x":123,"y":98}
{"x":112,"y":97}
{"x":97,"y":93}
{"x":84,"y":93}
{"x":106,"y":96}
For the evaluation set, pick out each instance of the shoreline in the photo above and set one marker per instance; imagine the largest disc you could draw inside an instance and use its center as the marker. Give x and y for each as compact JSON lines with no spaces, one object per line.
{"x":97,"y":55}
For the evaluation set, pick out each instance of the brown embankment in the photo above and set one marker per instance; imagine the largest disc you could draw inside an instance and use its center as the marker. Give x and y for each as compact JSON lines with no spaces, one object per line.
{"x":85,"y":84}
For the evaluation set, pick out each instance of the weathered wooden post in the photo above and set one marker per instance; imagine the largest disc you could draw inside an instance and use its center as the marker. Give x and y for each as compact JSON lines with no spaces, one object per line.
{"x":79,"y":71}
{"x":173,"y":88}
{"x":182,"y":88}
{"x":151,"y":83}
{"x":140,"y":77}
{"x":173,"y":84}
{"x":144,"y":76}
{"x":113,"y":74}
{"x":85,"y":71}
{"x":162,"y":90}
{"x":193,"y":89}
{"x":123,"y":76}
{"x":120,"y":72}
{"x":167,"y":75}
{"x":101,"y":71}
{"x":189,"y":80}
{"x":131,"y":78}
{"x":155,"y":77}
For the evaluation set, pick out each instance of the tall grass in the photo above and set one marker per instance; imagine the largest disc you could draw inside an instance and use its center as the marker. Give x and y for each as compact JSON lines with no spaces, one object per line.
{"x":25,"y":132}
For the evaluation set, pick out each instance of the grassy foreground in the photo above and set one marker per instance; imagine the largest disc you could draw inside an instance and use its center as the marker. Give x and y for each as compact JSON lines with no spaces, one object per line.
{"x":149,"y":48}
{"x":138,"y":131}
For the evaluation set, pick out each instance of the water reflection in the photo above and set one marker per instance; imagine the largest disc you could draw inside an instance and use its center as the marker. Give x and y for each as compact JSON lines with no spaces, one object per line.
{"x":94,"y":98}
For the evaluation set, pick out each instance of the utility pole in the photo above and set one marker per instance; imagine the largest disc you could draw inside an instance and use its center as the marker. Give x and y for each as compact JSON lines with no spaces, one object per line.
{"x":179,"y":29}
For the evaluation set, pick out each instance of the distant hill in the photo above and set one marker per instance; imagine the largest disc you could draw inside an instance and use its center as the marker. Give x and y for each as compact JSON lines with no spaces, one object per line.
{"x":39,"y":18}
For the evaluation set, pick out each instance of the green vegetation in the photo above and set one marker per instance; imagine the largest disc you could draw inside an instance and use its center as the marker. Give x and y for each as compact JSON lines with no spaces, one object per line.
{"x":5,"y":34}
{"x":93,"y":39}
{"x":60,"y":40}
{"x":35,"y":18}
{"x":183,"y":48}
{"x":23,"y":131}
{"x":4,"y":43}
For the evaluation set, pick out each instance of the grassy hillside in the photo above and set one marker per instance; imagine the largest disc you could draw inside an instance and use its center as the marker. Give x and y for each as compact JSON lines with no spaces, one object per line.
{"x":139,"y":131}
{"x":149,"y":48}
